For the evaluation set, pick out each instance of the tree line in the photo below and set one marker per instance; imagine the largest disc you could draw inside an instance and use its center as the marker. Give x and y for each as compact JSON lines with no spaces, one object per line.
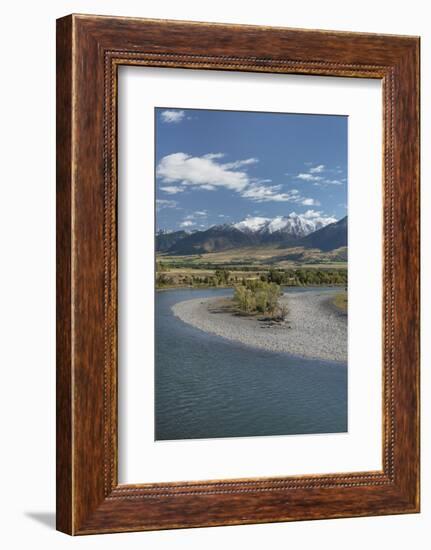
{"x":282,"y":277}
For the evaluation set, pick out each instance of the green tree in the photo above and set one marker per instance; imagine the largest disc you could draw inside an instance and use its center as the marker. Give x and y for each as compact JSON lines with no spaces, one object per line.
{"x":222,"y":276}
{"x":257,"y":296}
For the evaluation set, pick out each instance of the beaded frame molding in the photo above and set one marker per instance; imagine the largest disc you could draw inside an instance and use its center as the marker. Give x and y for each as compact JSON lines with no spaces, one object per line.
{"x":89,"y":51}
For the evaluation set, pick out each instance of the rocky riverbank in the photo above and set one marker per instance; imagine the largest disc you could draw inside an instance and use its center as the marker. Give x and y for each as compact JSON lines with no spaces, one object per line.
{"x":312,"y":328}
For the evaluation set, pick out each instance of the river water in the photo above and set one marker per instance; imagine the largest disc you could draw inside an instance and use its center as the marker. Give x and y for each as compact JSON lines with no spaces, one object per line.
{"x":207,"y":386}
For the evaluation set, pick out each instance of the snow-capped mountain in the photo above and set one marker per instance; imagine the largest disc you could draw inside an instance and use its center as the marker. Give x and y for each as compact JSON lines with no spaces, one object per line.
{"x":252,"y":225}
{"x":297,"y":225}
{"x":311,"y":230}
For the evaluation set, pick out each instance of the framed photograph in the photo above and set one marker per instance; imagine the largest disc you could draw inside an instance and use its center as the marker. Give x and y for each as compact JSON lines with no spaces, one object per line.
{"x":237,"y":274}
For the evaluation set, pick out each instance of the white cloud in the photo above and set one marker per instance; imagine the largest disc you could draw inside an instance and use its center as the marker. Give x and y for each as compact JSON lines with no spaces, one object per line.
{"x":214,"y":156}
{"x":310,"y":202}
{"x":240,"y":163}
{"x":202,"y":171}
{"x":172,"y":189}
{"x":209,"y":173}
{"x":332,"y":182}
{"x":308,"y":177}
{"x":318,"y":216}
{"x":171,"y":116}
{"x":268,"y":193}
{"x":187,"y":223}
{"x":273,"y":193}
{"x":309,"y":214}
{"x":317,"y":169}
{"x":197,"y":214}
{"x":208,"y":187}
{"x":163,"y":203}
{"x":320,"y":180}
{"x":194,"y":218}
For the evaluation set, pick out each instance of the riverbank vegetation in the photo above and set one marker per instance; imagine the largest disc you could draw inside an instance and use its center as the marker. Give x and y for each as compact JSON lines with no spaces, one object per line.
{"x":340,"y":301}
{"x":170,"y":277}
{"x":286,"y":267}
{"x":257,"y":296}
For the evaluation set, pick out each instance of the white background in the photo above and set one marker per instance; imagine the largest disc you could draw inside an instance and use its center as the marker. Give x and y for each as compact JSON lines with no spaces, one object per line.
{"x":27,"y":273}
{"x":141,"y":458}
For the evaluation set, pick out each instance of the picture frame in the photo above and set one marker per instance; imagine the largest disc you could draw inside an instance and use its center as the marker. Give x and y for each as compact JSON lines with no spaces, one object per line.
{"x":89,"y":51}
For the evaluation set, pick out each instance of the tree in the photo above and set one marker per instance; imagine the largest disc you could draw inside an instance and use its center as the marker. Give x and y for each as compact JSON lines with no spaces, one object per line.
{"x":222,"y":276}
{"x":275,"y":276}
{"x":257,"y":296}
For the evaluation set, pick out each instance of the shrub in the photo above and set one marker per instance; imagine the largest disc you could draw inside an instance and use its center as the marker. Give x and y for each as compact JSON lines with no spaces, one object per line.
{"x":257,"y":296}
{"x":162,"y":280}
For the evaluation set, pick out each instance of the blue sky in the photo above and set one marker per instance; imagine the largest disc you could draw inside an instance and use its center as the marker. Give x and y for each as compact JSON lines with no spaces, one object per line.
{"x":216,"y":167}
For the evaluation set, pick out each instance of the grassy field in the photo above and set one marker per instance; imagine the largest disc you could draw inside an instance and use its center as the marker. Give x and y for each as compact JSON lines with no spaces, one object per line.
{"x":263,"y":257}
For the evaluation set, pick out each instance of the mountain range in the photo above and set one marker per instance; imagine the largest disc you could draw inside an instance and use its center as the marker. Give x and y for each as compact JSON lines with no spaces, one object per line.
{"x":295,"y":225}
{"x":284,"y":231}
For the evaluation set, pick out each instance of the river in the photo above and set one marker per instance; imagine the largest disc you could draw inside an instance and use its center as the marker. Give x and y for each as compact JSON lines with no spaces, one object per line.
{"x":207,"y":386}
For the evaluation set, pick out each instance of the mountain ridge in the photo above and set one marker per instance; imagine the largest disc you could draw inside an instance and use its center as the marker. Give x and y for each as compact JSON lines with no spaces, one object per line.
{"x":328,"y":238}
{"x":324,"y":233}
{"x":298,"y":225}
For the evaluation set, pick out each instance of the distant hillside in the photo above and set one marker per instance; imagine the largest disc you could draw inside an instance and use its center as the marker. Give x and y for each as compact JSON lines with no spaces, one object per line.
{"x":164,"y":240}
{"x":328,"y":238}
{"x":214,"y":239}
{"x":293,"y":230}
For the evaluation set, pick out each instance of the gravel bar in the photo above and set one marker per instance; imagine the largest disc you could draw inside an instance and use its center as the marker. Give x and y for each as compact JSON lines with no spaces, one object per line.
{"x":313,"y":327}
